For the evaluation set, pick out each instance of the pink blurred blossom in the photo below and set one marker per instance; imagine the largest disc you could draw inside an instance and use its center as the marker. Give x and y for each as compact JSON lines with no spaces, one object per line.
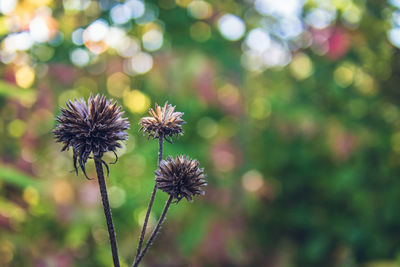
{"x":225,"y":156}
{"x":333,"y":42}
{"x":204,"y":84}
{"x":64,"y":74}
{"x":338,"y":44}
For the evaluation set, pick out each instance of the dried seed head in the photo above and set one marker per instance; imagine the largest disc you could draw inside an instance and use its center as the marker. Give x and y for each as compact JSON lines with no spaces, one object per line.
{"x":163,"y":121}
{"x":181,"y":177}
{"x":97,"y":127}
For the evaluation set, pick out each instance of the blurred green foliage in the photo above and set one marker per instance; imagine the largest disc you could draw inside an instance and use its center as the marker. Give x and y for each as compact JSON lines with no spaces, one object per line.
{"x":291,"y":106}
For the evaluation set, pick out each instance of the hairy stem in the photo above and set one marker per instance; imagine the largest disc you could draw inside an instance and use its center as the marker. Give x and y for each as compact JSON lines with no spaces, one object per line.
{"x":153,"y":235}
{"x":107,"y":211}
{"x":160,"y":148}
{"x":153,"y":195}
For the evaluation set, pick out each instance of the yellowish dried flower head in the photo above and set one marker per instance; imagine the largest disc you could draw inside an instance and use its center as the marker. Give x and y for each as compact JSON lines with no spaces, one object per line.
{"x":164,"y":121}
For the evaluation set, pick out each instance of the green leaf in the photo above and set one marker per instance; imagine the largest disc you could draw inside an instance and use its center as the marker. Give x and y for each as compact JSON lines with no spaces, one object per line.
{"x":12,"y":176}
{"x":10,"y":90}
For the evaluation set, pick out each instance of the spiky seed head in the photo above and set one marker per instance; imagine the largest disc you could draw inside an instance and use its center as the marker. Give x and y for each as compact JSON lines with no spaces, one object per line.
{"x":96,"y":127}
{"x":163,"y":121}
{"x":181,"y":177}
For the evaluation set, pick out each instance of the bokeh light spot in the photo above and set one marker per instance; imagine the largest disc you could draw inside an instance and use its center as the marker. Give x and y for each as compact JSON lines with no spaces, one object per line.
{"x":252,"y":61}
{"x":7,"y":6}
{"x":139,"y":216}
{"x":223,"y":156}
{"x":351,"y":16}
{"x":395,"y":3}
{"x":120,"y":14}
{"x":207,"y":127}
{"x":43,"y":52}
{"x":136,"y":101}
{"x":141,"y":63}
{"x":77,"y":36}
{"x":260,"y":108}
{"x":277,"y":55}
{"x":365,"y":83}
{"x":25,"y":76}
{"x":39,"y":29}
{"x":31,"y":196}
{"x":6,"y":251}
{"x":117,"y":83}
{"x":200,"y":31}
{"x":394,"y":36}
{"x":320,"y":18}
{"x":117,"y":196}
{"x":99,"y":234}
{"x":3,"y":26}
{"x":150,"y":14}
{"x":252,"y":181}
{"x":301,"y":66}
{"x":344,"y":75}
{"x":63,"y":192}
{"x":18,"y":41}
{"x":200,"y":9}
{"x":152,"y":40}
{"x":183,"y":3}
{"x":231,"y":27}
{"x":390,"y":112}
{"x":137,"y":8}
{"x":289,"y":28}
{"x":123,"y":44}
{"x":80,"y":57}
{"x":16,"y":128}
{"x":258,"y":40}
{"x":94,"y":36}
{"x":28,"y":155}
{"x":284,"y":9}
{"x":228,"y":94}
{"x":76,"y":5}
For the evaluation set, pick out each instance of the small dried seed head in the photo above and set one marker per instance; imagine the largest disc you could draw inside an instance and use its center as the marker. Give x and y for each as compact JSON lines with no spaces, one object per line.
{"x":163,"y":121}
{"x":181,"y":177}
{"x":96,"y":127}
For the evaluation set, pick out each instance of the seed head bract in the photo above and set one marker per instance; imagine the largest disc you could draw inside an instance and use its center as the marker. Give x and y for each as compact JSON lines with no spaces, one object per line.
{"x":180,"y":177}
{"x":96,"y":127}
{"x":164,"y":121}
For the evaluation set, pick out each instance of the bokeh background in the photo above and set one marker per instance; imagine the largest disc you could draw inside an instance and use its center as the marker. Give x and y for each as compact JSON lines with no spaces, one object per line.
{"x":291,"y":106}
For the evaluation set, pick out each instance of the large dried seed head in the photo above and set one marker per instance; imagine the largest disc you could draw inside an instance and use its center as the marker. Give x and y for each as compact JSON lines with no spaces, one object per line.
{"x":181,"y":177}
{"x":163,"y":122}
{"x":96,"y":127}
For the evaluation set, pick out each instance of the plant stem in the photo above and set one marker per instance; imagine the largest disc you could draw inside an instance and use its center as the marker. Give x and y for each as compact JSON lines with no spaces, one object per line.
{"x":107,"y":211}
{"x":153,"y":235}
{"x":160,"y":148}
{"x":153,"y":195}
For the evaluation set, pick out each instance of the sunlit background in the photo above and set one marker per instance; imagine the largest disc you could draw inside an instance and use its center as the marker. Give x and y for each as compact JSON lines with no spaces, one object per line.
{"x":291,"y":106}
